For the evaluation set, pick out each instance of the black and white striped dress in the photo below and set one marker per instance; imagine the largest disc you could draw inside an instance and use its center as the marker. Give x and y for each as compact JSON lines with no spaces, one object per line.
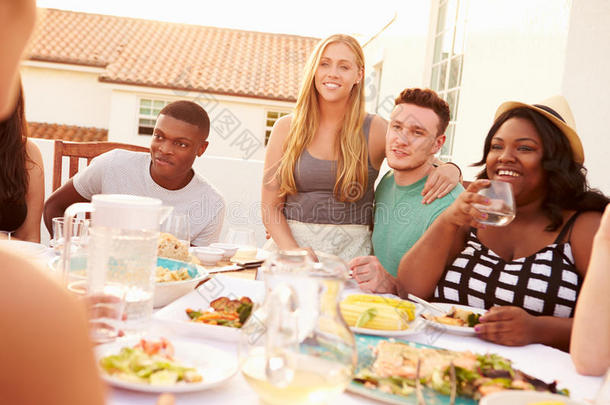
{"x":545,"y":283}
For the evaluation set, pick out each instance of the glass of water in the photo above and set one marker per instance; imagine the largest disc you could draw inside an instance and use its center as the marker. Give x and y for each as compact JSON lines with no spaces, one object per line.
{"x":501,"y":210}
{"x":79,"y":232}
{"x":179,"y":226}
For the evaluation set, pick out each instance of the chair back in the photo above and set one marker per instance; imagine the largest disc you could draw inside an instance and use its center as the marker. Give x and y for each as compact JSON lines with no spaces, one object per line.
{"x":83,"y":150}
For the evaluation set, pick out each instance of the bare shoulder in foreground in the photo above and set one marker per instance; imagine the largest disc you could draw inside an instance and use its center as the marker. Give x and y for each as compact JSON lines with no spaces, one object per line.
{"x":50,"y":346}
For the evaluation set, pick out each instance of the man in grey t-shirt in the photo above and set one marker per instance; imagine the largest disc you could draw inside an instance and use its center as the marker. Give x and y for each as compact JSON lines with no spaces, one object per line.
{"x":180,"y":135}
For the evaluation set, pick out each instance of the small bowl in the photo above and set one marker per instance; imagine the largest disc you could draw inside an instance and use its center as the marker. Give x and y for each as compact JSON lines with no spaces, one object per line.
{"x":228,"y":248}
{"x":208,"y":256}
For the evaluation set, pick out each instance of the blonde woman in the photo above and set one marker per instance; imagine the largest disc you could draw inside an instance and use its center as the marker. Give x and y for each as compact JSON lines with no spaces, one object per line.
{"x":322,"y":161}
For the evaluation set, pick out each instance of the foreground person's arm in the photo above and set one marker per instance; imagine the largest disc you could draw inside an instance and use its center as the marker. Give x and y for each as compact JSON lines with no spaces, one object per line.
{"x":46,"y":354}
{"x":590,"y":347}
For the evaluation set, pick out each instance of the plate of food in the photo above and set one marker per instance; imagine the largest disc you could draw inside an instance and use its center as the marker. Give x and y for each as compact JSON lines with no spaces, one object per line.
{"x":400,"y":372}
{"x":161,"y":365}
{"x":527,"y":398}
{"x":457,"y":319}
{"x":217,"y":309}
{"x":381,"y":316}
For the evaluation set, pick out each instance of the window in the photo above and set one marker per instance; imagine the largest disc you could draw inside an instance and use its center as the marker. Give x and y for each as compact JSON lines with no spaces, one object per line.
{"x":448,"y":60}
{"x":147,"y":115}
{"x":271,"y":117}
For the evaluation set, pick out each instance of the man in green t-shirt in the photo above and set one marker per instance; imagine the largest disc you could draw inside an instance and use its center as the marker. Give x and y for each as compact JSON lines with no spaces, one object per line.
{"x":415,"y":133}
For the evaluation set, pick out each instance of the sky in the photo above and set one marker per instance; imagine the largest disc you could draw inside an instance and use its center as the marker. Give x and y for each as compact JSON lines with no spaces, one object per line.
{"x":316,"y":18}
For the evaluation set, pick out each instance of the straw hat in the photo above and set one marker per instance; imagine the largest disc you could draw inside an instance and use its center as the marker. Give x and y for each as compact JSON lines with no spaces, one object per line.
{"x":557,"y":110}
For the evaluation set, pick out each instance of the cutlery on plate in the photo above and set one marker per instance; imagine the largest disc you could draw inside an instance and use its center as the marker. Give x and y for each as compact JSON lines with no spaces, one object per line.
{"x":425,"y":303}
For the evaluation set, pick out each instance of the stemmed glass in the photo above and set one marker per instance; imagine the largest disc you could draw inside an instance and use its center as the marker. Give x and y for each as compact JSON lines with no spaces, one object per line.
{"x":243,"y":237}
{"x":501,"y":210}
{"x":179,"y":226}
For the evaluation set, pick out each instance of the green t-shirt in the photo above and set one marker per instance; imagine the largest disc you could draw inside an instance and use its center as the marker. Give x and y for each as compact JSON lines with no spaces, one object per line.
{"x":401,"y":218}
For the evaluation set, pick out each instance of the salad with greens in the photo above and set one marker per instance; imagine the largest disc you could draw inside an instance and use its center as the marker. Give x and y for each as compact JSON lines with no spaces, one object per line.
{"x":149,"y":362}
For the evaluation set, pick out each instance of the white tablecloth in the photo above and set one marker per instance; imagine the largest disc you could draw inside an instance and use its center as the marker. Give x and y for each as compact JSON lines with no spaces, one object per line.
{"x":541,"y":361}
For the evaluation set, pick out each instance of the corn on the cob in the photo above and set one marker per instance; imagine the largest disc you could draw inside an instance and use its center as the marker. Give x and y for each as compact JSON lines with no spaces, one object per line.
{"x":409,"y":307}
{"x":385,"y":317}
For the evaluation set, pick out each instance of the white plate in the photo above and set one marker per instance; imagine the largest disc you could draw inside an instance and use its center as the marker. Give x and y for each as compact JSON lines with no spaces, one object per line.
{"x":456,"y":330}
{"x":524,"y":398}
{"x":214,"y":365}
{"x":29,"y":249}
{"x":415,"y":326}
{"x":174,"y":315}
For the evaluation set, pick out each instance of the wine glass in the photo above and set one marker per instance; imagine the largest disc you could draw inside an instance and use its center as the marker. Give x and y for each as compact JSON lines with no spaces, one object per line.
{"x":501,"y":208}
{"x":179,"y":226}
{"x":243,"y":237}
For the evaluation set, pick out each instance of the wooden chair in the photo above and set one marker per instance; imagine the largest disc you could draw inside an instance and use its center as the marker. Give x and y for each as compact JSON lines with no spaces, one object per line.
{"x":83,"y":150}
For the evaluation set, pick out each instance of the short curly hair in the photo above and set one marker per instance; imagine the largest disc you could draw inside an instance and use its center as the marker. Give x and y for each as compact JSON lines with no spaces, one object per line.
{"x":429,"y":99}
{"x":189,"y":112}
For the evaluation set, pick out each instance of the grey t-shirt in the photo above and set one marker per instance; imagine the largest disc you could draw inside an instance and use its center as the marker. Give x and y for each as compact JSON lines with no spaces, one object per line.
{"x":125,"y":172}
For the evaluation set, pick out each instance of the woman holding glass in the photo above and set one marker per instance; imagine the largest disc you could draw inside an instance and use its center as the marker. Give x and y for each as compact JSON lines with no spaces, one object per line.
{"x":322,"y":161}
{"x":529,"y":272}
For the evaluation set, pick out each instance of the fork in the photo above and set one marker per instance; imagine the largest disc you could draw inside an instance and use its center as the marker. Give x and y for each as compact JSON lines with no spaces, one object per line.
{"x":425,"y":303}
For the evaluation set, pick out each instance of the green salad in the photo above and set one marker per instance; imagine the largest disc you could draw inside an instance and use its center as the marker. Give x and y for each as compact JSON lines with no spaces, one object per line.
{"x":148,"y":362}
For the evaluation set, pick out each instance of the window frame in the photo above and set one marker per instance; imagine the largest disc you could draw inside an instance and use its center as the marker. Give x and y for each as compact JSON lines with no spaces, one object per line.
{"x":442,"y":64}
{"x":151,"y":117}
{"x":281,"y":113}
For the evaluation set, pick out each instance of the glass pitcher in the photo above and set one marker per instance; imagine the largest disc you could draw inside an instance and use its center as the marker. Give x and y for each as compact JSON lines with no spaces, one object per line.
{"x":296,"y":348}
{"x":121,"y":250}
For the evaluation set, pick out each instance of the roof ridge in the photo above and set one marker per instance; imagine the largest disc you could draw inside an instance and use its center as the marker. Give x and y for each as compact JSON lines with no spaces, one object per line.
{"x":179,"y":23}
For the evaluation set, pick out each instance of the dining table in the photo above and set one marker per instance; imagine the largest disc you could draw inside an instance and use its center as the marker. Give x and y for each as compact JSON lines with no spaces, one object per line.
{"x":543,"y":362}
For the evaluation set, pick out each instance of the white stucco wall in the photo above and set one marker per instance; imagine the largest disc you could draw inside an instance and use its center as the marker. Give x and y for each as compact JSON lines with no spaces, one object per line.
{"x":586,"y":84}
{"x":401,"y":48}
{"x":237,"y":123}
{"x":514,"y":51}
{"x":65,"y":94}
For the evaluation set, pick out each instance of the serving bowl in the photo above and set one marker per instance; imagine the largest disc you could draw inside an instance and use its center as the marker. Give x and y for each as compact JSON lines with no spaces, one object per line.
{"x":169,"y":291}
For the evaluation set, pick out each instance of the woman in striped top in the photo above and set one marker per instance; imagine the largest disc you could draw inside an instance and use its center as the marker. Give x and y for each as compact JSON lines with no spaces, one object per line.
{"x":528,"y":273}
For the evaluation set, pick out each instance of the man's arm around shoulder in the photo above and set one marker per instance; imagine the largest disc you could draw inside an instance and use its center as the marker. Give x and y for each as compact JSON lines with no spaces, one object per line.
{"x":57,"y":203}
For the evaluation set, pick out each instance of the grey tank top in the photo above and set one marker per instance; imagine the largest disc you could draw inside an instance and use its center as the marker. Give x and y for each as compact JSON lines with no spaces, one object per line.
{"x":314,"y":201}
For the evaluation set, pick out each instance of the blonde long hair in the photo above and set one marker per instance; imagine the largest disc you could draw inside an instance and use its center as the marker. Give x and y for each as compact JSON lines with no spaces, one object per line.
{"x":352,"y":163}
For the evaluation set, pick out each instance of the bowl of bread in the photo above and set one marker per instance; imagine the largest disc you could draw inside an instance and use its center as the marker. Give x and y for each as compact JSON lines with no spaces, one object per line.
{"x":177,"y":273}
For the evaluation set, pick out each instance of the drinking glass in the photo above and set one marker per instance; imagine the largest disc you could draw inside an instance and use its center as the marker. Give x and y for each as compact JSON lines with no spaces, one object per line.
{"x":243,"y":237}
{"x":179,"y":226}
{"x":501,"y":210}
{"x":80,"y":232}
{"x":104,"y":298}
{"x":5,"y":235}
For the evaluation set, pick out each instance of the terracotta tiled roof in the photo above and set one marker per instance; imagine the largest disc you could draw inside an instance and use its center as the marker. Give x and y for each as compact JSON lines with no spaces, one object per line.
{"x":66,"y":132}
{"x":176,"y":56}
